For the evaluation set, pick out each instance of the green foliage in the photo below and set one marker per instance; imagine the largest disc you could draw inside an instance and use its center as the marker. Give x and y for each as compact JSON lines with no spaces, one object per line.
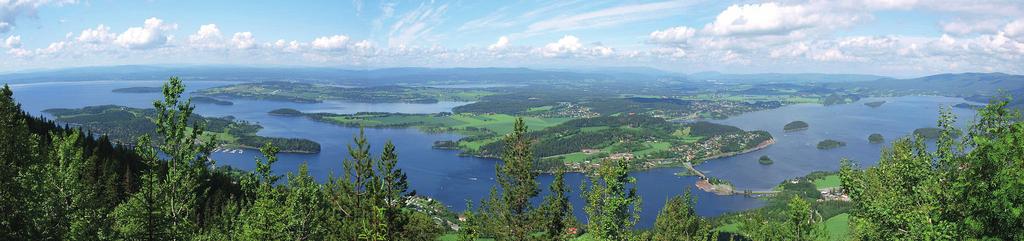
{"x":556,"y":211}
{"x":516,"y":178}
{"x":797,"y":222}
{"x":613,"y":205}
{"x":949,"y":193}
{"x":678,"y":221}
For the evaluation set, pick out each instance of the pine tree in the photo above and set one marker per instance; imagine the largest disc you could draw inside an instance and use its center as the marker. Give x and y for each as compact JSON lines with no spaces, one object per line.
{"x":390,"y":187}
{"x":142,"y":216}
{"x":15,"y":154}
{"x":518,"y":185}
{"x":557,"y":210}
{"x":188,"y":161}
{"x":266,"y":218}
{"x":613,"y":207}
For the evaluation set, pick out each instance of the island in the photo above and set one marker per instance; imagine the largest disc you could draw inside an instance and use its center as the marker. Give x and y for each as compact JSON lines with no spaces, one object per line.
{"x":576,"y":144}
{"x":966,"y":105}
{"x":764,"y":160}
{"x":125,"y":124}
{"x":933,"y":133}
{"x":876,"y":138}
{"x":208,"y":100}
{"x":874,"y":104}
{"x":796,"y":126}
{"x":285,"y":112}
{"x":137,"y":90}
{"x":830,"y":144}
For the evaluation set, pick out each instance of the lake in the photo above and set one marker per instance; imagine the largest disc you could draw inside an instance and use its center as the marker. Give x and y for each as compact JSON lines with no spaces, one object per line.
{"x":451,"y":179}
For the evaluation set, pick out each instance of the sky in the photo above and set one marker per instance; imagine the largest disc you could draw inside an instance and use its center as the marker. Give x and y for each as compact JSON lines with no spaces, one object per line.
{"x":885,"y":37}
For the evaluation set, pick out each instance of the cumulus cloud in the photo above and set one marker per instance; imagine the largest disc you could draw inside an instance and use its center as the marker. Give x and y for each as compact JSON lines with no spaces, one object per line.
{"x":13,"y":42}
{"x":672,"y":35}
{"x":152,"y":34}
{"x":1015,"y":29}
{"x":281,"y":44}
{"x":501,"y":44}
{"x":208,"y":36}
{"x":331,"y":43}
{"x":570,"y":46}
{"x":100,"y":34}
{"x":243,"y":40}
{"x":565,"y":46}
{"x":774,"y":19}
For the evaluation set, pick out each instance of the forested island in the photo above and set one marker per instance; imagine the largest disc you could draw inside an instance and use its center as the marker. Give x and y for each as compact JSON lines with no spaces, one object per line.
{"x":966,"y":105}
{"x":209,"y":100}
{"x":796,"y":126}
{"x":830,"y":144}
{"x":577,"y":144}
{"x":285,"y":112}
{"x":137,"y":90}
{"x":124,"y":124}
{"x":876,"y":138}
{"x":875,"y":104}
{"x":765,"y":160}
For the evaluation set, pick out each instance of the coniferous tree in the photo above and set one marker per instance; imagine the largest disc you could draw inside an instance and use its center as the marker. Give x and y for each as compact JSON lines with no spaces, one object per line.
{"x":516,"y":179}
{"x":266,"y":218}
{"x":613,"y":205}
{"x":389,"y":189}
{"x":557,"y":210}
{"x":142,"y":216}
{"x":15,"y":154}
{"x":188,"y":160}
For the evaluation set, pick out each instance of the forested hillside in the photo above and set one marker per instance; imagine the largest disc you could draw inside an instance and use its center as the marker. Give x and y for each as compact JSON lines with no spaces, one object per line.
{"x":58,"y":183}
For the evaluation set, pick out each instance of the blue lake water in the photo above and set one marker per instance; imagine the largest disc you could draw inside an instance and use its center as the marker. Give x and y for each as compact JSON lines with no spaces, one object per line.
{"x":443,"y":175}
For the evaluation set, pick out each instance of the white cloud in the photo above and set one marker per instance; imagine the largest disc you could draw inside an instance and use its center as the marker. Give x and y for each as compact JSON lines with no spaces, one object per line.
{"x":151,"y":35}
{"x":1015,"y":29}
{"x":100,"y":34}
{"x":208,"y":36}
{"x":672,"y":35}
{"x":565,"y":46}
{"x":331,"y":43}
{"x":293,"y":46}
{"x":570,"y":46}
{"x":13,"y":42}
{"x":774,"y":19}
{"x":243,"y":40}
{"x":501,"y":44}
{"x":961,"y":27}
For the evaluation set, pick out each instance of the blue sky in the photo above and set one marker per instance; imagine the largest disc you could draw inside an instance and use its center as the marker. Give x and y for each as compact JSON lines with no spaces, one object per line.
{"x":889,"y":37}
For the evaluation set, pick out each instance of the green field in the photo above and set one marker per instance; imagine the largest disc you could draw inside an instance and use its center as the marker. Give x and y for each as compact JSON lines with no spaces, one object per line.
{"x":838,"y":227}
{"x":830,"y":181}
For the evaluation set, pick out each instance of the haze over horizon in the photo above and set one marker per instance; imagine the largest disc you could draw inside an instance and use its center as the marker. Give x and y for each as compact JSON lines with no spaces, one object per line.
{"x":899,"y":38}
